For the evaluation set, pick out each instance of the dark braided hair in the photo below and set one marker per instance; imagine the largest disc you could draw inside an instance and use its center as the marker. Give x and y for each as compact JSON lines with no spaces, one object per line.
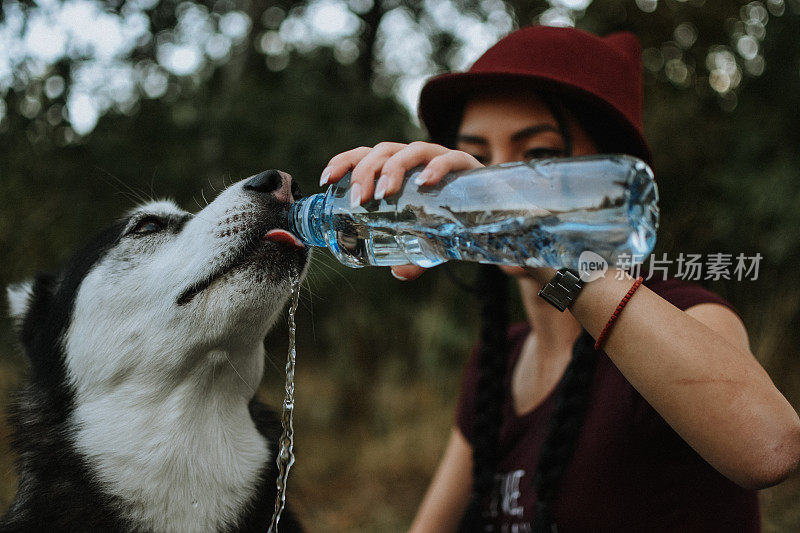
{"x":567,"y":419}
{"x":563,"y":430}
{"x":492,"y":286}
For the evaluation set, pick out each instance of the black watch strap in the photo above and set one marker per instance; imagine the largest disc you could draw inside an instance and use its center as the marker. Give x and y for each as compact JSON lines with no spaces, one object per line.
{"x":562,"y":290}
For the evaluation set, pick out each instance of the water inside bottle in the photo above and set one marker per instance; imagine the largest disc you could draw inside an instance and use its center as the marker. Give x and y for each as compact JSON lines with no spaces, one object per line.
{"x":285,"y":458}
{"x":501,"y":236}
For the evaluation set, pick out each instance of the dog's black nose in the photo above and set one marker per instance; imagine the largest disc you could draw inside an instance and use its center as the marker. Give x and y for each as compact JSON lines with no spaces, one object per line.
{"x":267,"y":181}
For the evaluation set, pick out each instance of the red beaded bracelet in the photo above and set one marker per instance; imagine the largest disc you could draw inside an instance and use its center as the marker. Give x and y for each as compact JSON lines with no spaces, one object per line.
{"x":607,"y":330}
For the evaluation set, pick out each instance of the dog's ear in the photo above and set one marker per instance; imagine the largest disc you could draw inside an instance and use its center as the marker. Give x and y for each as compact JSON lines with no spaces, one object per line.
{"x":20,"y":297}
{"x":27,"y":299}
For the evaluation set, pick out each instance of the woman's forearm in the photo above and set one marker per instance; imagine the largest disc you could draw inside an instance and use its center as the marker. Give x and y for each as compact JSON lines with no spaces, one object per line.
{"x":449,"y":492}
{"x":700,"y":377}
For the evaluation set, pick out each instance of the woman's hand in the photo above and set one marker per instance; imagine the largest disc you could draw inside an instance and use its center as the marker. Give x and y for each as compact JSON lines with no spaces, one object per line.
{"x":388,"y":162}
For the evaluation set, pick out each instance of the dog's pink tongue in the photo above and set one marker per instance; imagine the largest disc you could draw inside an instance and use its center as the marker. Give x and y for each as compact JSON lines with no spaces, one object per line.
{"x":283,"y":236}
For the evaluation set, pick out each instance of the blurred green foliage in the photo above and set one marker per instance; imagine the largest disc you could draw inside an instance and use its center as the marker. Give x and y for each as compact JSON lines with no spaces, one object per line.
{"x":381,"y":359}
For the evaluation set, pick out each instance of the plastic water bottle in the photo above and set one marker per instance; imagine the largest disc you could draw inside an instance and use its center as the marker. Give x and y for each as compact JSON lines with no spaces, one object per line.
{"x":542,"y":212}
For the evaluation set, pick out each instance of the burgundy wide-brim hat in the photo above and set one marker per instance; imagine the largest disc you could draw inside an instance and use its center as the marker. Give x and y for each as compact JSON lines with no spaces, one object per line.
{"x":599,"y":79}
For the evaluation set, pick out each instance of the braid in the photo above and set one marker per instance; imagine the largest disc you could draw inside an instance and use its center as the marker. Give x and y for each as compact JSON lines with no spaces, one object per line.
{"x":493,"y":289}
{"x":568,"y":415}
{"x":564,"y":428}
{"x":567,"y":419}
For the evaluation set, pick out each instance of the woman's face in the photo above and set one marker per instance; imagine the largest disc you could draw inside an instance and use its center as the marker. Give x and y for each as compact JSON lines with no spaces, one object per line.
{"x":502,"y":128}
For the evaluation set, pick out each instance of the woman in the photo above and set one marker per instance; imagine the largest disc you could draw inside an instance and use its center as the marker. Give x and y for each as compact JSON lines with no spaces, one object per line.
{"x":672,"y":424}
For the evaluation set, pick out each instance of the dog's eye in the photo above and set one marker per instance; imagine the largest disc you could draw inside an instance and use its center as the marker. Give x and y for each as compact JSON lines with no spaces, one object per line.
{"x":148,"y":225}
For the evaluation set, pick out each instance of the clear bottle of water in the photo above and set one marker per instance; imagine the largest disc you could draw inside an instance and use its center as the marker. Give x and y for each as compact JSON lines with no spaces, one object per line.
{"x":542,"y":212}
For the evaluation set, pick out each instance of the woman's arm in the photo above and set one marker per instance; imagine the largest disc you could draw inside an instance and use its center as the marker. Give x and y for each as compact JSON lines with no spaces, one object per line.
{"x":449,"y":492}
{"x":696,"y":369}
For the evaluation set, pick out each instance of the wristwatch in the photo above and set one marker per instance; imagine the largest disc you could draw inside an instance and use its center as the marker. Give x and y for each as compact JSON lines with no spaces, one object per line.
{"x":562,"y":290}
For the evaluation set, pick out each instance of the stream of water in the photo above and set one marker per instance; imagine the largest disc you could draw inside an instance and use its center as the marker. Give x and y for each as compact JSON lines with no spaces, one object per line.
{"x":285,"y":458}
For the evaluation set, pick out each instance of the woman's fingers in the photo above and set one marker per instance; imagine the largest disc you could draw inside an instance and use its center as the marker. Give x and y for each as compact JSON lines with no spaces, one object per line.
{"x":441,"y":165}
{"x":395,"y":167}
{"x":362,"y":181}
{"x":407,"y":272}
{"x":388,"y":162}
{"x":341,"y":164}
{"x":437,"y":159}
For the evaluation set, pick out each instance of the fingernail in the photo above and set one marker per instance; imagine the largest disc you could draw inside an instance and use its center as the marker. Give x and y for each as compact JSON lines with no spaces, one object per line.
{"x":326,"y":174}
{"x":422,"y":177}
{"x":398,"y":276}
{"x":355,"y":195}
{"x":380,"y":188}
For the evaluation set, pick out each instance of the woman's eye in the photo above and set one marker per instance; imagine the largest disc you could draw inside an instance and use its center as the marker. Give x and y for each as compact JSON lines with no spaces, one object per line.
{"x":148,"y":225}
{"x":541,"y":153}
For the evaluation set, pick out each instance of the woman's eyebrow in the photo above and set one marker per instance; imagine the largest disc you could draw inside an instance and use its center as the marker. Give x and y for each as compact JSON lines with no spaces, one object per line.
{"x":471,"y":139}
{"x":524,"y":133}
{"x":534,"y":130}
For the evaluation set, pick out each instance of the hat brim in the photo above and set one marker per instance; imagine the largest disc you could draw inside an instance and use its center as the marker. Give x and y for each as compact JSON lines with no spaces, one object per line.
{"x":442,"y":100}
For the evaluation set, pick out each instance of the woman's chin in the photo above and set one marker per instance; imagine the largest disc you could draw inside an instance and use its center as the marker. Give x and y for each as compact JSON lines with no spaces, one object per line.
{"x":541,"y":275}
{"x":514,"y":271}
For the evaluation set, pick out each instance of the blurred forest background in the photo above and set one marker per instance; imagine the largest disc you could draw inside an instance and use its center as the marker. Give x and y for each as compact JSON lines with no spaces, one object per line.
{"x":102,"y":103}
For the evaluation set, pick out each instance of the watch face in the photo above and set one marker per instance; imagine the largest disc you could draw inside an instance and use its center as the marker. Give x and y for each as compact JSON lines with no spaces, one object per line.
{"x":562,"y":289}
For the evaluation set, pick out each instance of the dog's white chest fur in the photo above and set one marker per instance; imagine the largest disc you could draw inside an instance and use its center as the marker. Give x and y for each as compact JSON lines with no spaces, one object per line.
{"x":181,"y":460}
{"x":155,"y":335}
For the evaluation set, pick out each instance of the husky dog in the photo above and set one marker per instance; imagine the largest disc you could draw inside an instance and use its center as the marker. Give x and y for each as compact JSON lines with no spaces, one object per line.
{"x":145,"y":352}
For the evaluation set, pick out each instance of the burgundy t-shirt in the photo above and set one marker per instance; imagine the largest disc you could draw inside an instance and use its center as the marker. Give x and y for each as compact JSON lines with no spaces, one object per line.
{"x":630,"y":471}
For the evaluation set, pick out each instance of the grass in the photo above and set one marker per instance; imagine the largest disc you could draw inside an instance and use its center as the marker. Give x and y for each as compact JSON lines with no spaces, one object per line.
{"x":365,"y":453}
{"x":359,"y":471}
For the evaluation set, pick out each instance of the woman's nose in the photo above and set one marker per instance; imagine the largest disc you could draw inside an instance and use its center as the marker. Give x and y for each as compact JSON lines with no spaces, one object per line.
{"x":504,"y":155}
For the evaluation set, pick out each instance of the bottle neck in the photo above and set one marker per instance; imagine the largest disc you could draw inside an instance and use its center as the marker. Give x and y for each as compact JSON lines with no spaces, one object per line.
{"x":305,"y":218}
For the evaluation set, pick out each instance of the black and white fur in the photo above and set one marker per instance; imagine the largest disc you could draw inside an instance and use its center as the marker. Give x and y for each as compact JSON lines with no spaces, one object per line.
{"x":145,"y":352}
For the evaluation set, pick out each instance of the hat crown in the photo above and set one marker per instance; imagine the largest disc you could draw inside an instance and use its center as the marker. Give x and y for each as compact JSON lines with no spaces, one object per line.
{"x":598,"y":78}
{"x":609,"y":67}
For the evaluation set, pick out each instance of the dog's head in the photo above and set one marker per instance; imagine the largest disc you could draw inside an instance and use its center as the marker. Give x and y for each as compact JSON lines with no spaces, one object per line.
{"x":162,"y":288}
